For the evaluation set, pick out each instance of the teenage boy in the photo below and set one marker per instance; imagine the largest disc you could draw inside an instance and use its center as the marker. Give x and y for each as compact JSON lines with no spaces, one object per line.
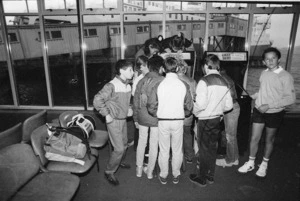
{"x":276,"y":91}
{"x":212,"y":100}
{"x":171,"y":103}
{"x":188,"y":122}
{"x":112,"y":102}
{"x":143,"y":120}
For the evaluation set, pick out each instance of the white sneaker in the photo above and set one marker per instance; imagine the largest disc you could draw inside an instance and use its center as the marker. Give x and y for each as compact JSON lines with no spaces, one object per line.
{"x":223,"y":163}
{"x":139,"y":171}
{"x":247,"y":167}
{"x":262,"y":170}
{"x":149,"y":175}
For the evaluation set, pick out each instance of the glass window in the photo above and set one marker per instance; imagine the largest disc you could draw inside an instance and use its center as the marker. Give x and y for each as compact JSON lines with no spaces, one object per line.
{"x":60,"y":4}
{"x":12,"y":37}
{"x":185,"y":6}
{"x":28,"y":65}
{"x":20,"y":6}
{"x":56,"y":35}
{"x":103,"y":51}
{"x":181,"y":27}
{"x":268,"y":30}
{"x":196,"y":26}
{"x":143,"y":5}
{"x":64,"y":60}
{"x":147,"y":25}
{"x":224,"y":33}
{"x":5,"y":89}
{"x":295,"y":68}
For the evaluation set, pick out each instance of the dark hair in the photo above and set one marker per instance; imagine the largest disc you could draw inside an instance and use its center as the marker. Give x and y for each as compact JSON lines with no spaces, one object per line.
{"x":155,"y":63}
{"x":271,"y":49}
{"x":122,"y":64}
{"x":154,"y":43}
{"x":171,"y":64}
{"x":140,"y":60}
{"x":212,"y":61}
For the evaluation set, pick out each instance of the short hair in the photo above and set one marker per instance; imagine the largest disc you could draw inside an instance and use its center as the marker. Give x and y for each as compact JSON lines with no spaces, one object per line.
{"x":154,"y":43}
{"x":140,"y":60}
{"x":155,"y":63}
{"x":171,"y":64}
{"x":212,"y":61}
{"x":182,"y":66}
{"x":122,"y":64}
{"x":271,"y":49}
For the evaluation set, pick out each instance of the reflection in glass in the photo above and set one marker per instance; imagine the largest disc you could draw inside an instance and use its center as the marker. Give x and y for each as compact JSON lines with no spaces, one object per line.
{"x":140,"y":5}
{"x":27,"y":59}
{"x":106,"y":4}
{"x":227,"y":32}
{"x":268,"y":31}
{"x":102,"y":37}
{"x":20,"y":6}
{"x":62,"y":40}
{"x":185,"y":6}
{"x":295,"y":68}
{"x":5,"y":89}
{"x":140,"y":28}
{"x":60,"y":4}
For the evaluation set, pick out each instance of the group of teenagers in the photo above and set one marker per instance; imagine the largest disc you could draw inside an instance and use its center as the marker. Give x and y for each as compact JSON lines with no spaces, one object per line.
{"x":165,"y":103}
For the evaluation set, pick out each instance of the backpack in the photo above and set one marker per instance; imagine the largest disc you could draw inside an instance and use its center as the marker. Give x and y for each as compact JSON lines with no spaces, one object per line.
{"x":70,"y":141}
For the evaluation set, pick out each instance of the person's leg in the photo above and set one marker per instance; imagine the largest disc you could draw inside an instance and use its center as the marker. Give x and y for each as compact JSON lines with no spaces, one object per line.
{"x":176,"y":143}
{"x":270,"y":137}
{"x":152,"y":151}
{"x":164,"y":148}
{"x":143,"y":136}
{"x":188,"y":143}
{"x":213,"y":130}
{"x":231,"y":124}
{"x":136,"y":138}
{"x":203,"y":142}
{"x":257,"y":129}
{"x":116,"y":137}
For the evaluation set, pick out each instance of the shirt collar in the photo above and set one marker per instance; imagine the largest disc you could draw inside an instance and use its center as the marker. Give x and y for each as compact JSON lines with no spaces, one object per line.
{"x":123,"y":81}
{"x":213,"y":71}
{"x":171,"y":75}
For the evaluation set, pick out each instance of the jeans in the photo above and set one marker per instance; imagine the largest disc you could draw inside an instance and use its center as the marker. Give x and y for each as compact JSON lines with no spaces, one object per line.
{"x":231,"y":124}
{"x":208,"y":131}
{"x":170,"y":133}
{"x":188,"y":143}
{"x":140,"y":152}
{"x":117,"y":132}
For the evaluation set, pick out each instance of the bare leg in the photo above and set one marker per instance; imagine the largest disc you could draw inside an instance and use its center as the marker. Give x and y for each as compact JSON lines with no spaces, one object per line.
{"x":270,"y":137}
{"x":257,"y":129}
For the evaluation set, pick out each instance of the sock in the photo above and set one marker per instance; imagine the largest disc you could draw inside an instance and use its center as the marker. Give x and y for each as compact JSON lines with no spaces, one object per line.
{"x":265,"y":161}
{"x":251,"y":160}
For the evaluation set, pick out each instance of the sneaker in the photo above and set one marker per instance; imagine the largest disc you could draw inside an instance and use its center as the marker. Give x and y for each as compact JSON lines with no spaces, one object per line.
{"x":247,"y":167}
{"x":139,"y":170}
{"x":129,"y":144}
{"x":196,"y":180}
{"x":176,"y":180}
{"x":222,"y":162}
{"x":111,"y":179}
{"x":149,"y":175}
{"x":210,"y":180}
{"x":162,"y":180}
{"x":262,"y":170}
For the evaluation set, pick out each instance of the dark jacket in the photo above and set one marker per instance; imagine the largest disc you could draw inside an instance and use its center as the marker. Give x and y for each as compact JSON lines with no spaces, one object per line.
{"x":141,"y":95}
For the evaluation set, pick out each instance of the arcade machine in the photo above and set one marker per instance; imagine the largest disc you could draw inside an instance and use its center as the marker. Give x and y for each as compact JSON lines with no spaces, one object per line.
{"x":235,"y":64}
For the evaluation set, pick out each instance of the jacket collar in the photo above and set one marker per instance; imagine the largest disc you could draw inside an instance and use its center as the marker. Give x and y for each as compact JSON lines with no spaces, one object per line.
{"x":123,"y":81}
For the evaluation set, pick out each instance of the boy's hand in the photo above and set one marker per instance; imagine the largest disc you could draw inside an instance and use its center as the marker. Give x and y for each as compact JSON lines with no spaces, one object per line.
{"x":263,"y":108}
{"x":136,"y":125}
{"x":108,"y":119}
{"x":130,"y":112}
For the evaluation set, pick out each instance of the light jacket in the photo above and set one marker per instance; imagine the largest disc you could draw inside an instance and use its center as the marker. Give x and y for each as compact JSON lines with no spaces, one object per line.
{"x":113,"y":99}
{"x":172,"y":99}
{"x":188,"y":121}
{"x":212,"y":96}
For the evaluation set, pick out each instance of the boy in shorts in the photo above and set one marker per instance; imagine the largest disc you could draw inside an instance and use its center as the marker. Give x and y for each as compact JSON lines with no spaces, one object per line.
{"x":276,"y":91}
